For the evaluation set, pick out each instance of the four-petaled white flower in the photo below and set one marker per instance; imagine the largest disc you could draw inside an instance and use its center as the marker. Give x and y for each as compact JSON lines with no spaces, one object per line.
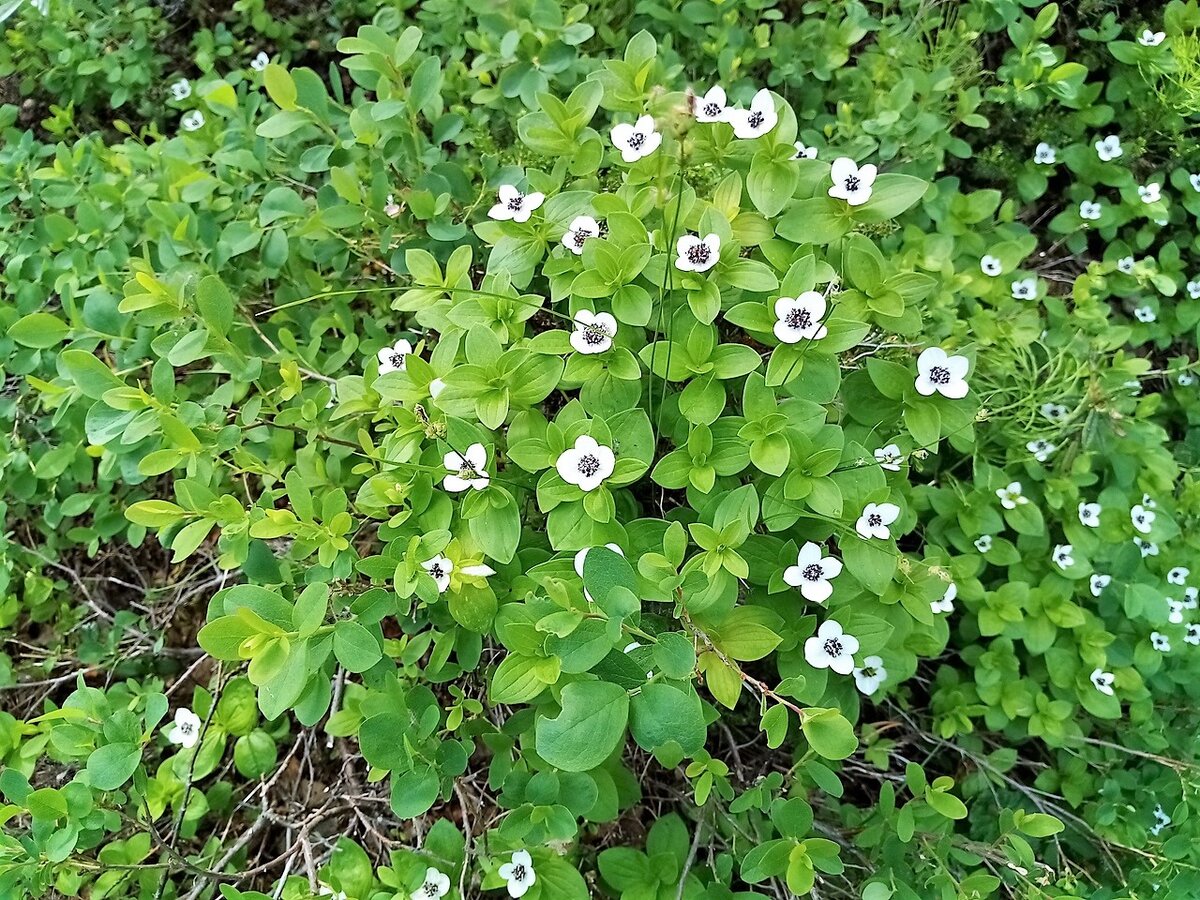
{"x":1150,"y":38}
{"x":803,"y":152}
{"x":467,"y":470}
{"x":850,"y":182}
{"x":1097,"y":583}
{"x":1041,"y":449}
{"x":1147,"y":548}
{"x":710,"y":107}
{"x":875,"y":519}
{"x":870,"y":675}
{"x":1160,"y":642}
{"x":983,"y":543}
{"x":1178,"y":575}
{"x":435,"y":885}
{"x":1174,"y":611}
{"x":756,"y":121}
{"x":938,"y":372}
{"x":697,"y":254}
{"x":580,"y":229}
{"x":1089,"y":514}
{"x":1062,"y":556}
{"x":192,"y":120}
{"x":392,"y":359}
{"x":1149,"y":502}
{"x":831,"y":648}
{"x":637,"y":140}
{"x":1150,"y":193}
{"x":1193,"y":634}
{"x":991,"y":265}
{"x":186,"y":730}
{"x":1109,"y":148}
{"x":799,"y":318}
{"x":519,"y":873}
{"x":813,"y":572}
{"x":391,"y":208}
{"x":1044,"y":154}
{"x":1145,"y":314}
{"x":260,"y":61}
{"x":514,"y":205}
{"x":1142,"y":518}
{"x":1055,"y":412}
{"x":1193,"y":289}
{"x":439,"y":569}
{"x":587,"y":464}
{"x":946,"y":604}
{"x":1125,"y":264}
{"x":889,"y":457}
{"x":1186,"y":379}
{"x":1161,"y":821}
{"x":1024,"y":289}
{"x":1011,"y":497}
{"x":1191,"y":598}
{"x":181,"y":89}
{"x":1103,"y":681}
{"x":594,"y":332}
{"x":1090,"y":210}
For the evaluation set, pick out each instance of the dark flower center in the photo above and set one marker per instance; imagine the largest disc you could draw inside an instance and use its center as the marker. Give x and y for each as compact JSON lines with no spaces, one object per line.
{"x":580,"y":235}
{"x":798,"y":318}
{"x":636,"y":140}
{"x":813,"y":572}
{"x":436,"y":571}
{"x":712,"y":110}
{"x":603,"y":223}
{"x":852,"y":183}
{"x":939,"y":375}
{"x":868,"y":671}
{"x":466,"y":471}
{"x":187,"y":727}
{"x":874,"y":520}
{"x":594,"y":334}
{"x":516,"y":202}
{"x":755,"y":119}
{"x":397,"y":359}
{"x":589,"y":466}
{"x":698,"y":254}
{"x":430,"y":889}
{"x":518,"y":872}
{"x":832,"y":646}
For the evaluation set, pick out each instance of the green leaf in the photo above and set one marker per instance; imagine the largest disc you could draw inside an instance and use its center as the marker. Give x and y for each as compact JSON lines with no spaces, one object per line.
{"x":112,"y":765}
{"x":355,"y":647}
{"x":829,"y":732}
{"x":39,"y":330}
{"x":589,"y":728}
{"x":660,"y":713}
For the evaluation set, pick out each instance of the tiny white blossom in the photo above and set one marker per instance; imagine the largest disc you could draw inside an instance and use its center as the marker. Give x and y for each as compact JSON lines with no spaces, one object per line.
{"x":1178,"y":575}
{"x":1109,"y":148}
{"x":594,"y":332}
{"x":1090,"y":210}
{"x":889,"y":457}
{"x":812,"y":573}
{"x":1194,"y":179}
{"x":578,"y":232}
{"x":1055,"y":412}
{"x":938,"y":372}
{"x":803,"y":152}
{"x":467,"y":470}
{"x":392,"y":359}
{"x":1149,"y":502}
{"x":983,"y":543}
{"x":1089,"y":514}
{"x":1097,"y":583}
{"x":1041,"y":449}
{"x":192,"y":120}
{"x":439,"y":569}
{"x":186,"y":729}
{"x":850,"y":182}
{"x":1161,"y":821}
{"x":514,"y":205}
{"x":637,"y":140}
{"x":1160,"y":642}
{"x":587,"y":464}
{"x":1148,"y":548}
{"x":1145,"y":314}
{"x":710,"y":107}
{"x":1024,"y":289}
{"x":1044,"y":154}
{"x":697,"y":254}
{"x":1193,"y":289}
{"x":519,"y":873}
{"x":1191,"y":598}
{"x":756,"y":121}
{"x":1150,"y":38}
{"x":260,"y":61}
{"x":831,"y":648}
{"x":799,"y":318}
{"x":391,"y":208}
{"x":1012,"y":496}
{"x":435,"y":886}
{"x":1150,"y":193}
{"x":181,"y":89}
{"x":869,"y":676}
{"x":1193,"y":634}
{"x":875,"y":519}
{"x":1174,"y":611}
{"x":991,"y":265}
{"x":946,"y":604}
{"x":1062,"y":556}
{"x":1142,"y":518}
{"x":1103,"y":681}
{"x":1186,"y":379}
{"x":1125,"y":264}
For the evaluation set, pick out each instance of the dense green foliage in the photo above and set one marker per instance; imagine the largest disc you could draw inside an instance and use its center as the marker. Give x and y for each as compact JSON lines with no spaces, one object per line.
{"x":665,"y":451}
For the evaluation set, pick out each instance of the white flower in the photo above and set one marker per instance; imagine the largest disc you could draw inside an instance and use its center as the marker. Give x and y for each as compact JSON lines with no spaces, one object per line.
{"x":1109,"y":148}
{"x":436,"y":387}
{"x":637,"y":140}
{"x":1024,"y":289}
{"x":1174,"y":611}
{"x":260,"y":61}
{"x":1041,"y":449}
{"x":1191,"y":598}
{"x":436,"y":885}
{"x":1062,"y":556}
{"x":1150,"y":38}
{"x":946,"y":604}
{"x":594,"y":332}
{"x":1162,"y":820}
{"x":391,"y":208}
{"x":587,"y":464}
{"x":1193,"y":634}
{"x":186,"y":730}
{"x":875,"y":519}
{"x":1194,"y":178}
{"x":192,"y":120}
{"x":467,"y":470}
{"x":1193,"y":289}
{"x":1089,"y":209}
{"x":1044,"y":154}
{"x":803,"y":152}
{"x":580,"y":229}
{"x":870,"y":675}
{"x":889,"y":458}
{"x":519,"y":873}
{"x":938,"y":372}
{"x":1142,"y":518}
{"x":831,"y":648}
{"x":1148,"y":548}
{"x":983,"y":543}
{"x":1011,"y":497}
{"x":755,"y":121}
{"x":851,"y":183}
{"x":1160,"y":642}
{"x":799,"y":319}
{"x":1145,"y":314}
{"x":711,"y":106}
{"x":1186,"y":379}
{"x":439,"y":569}
{"x":1125,"y":264}
{"x":812,"y":573}
{"x":515,"y":205}
{"x":392,"y":359}
{"x":697,"y":254}
{"x":991,"y":266}
{"x":1055,"y":412}
{"x":1149,"y":502}
{"x":1098,"y":583}
{"x":1150,"y":193}
{"x":1089,"y":514}
{"x":1178,"y":575}
{"x":181,"y":89}
{"x":581,"y":556}
{"x":1103,"y":681}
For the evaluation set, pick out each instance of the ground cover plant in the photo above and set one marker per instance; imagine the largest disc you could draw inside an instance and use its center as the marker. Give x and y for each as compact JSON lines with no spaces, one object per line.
{"x":652,"y":451}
